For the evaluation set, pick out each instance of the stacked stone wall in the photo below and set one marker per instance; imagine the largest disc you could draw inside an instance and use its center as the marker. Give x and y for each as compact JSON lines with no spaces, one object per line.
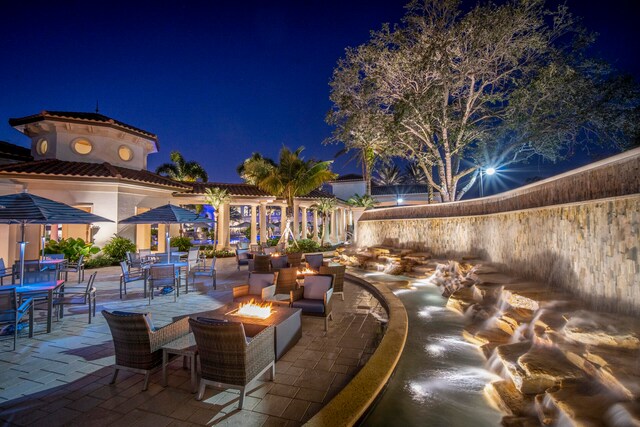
{"x":588,"y":246}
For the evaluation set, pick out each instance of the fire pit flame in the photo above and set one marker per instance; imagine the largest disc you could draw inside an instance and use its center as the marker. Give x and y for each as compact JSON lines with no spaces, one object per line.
{"x":306,"y":270}
{"x":254,"y":309}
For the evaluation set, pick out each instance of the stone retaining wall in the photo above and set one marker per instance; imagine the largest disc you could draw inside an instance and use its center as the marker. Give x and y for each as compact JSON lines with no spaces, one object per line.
{"x":589,"y":246}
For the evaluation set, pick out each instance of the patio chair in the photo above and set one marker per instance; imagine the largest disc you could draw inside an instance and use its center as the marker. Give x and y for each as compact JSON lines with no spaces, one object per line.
{"x":228,"y":359}
{"x":74,"y":267}
{"x":279,"y":262}
{"x":314,"y":261}
{"x":261,"y":287}
{"x":163,"y":276}
{"x":128,"y":276}
{"x":270,"y":250}
{"x":338,"y":280}
{"x":77,"y":295}
{"x":314,"y":296}
{"x":203,"y":270}
{"x":261,"y":263}
{"x":45,"y":276}
{"x":136,"y":262}
{"x":285,"y":283}
{"x":242,"y":257}
{"x":138,"y":344}
{"x":255,"y":248}
{"x":5,"y":272}
{"x":11,"y":314}
{"x":51,"y":257}
{"x":242,"y":245}
{"x":146,"y":256}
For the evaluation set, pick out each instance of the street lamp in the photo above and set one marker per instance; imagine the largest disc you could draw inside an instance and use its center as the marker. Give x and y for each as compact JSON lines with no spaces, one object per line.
{"x":489,"y":171}
{"x":399,"y":201}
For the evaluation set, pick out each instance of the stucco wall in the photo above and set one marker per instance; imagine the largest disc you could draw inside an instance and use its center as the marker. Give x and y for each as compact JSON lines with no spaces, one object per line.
{"x":587,"y":246}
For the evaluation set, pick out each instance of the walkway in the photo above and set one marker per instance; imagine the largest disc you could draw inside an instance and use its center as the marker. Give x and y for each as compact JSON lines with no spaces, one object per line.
{"x":62,"y":378}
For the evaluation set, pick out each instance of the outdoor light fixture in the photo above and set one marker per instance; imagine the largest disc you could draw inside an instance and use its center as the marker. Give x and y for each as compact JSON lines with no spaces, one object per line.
{"x":488,"y":171}
{"x":399,"y":201}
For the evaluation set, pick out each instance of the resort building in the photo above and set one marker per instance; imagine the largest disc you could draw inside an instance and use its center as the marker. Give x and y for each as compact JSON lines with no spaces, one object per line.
{"x":347,"y":186}
{"x":98,"y":164}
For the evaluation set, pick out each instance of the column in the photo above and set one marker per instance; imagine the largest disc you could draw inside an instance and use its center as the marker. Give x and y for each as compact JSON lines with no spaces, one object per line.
{"x":254,"y":225}
{"x":315,"y":226}
{"x":227,"y":233}
{"x":263,"y":223}
{"x":343,"y":224}
{"x":356,"y":214}
{"x":332,"y":227}
{"x":303,"y":225}
{"x":296,"y":222}
{"x":162,"y":240}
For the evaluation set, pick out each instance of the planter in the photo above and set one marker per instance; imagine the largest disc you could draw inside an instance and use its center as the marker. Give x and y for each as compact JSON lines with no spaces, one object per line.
{"x":294,"y":259}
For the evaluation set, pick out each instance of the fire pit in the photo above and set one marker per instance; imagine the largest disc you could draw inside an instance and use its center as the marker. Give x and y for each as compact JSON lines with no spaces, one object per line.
{"x":253,"y":309}
{"x":306,"y":272}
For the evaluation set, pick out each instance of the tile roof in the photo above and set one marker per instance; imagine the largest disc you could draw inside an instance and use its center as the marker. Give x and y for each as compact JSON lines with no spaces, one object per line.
{"x":247,"y":190}
{"x":348,"y":177}
{"x":79,"y":117}
{"x":54,"y":167}
{"x":386,"y":190}
{"x":14,"y":152}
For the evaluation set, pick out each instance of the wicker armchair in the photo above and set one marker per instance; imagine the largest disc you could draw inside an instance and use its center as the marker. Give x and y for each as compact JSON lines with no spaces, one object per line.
{"x":261,"y":263}
{"x":314,"y":261}
{"x":242,"y":257}
{"x":278,"y":262}
{"x":338,"y":280}
{"x":138,"y":344}
{"x":227,"y":360}
{"x":314,"y":296}
{"x":261,"y":287}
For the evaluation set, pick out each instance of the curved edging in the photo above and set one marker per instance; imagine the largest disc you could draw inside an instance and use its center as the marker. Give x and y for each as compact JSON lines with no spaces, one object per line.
{"x":348,"y":406}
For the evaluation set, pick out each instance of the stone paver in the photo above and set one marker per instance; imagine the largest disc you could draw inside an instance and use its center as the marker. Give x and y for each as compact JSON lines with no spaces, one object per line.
{"x":62,"y":378}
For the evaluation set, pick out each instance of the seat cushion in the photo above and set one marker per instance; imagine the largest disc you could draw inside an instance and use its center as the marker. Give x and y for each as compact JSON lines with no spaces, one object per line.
{"x":309,"y":306}
{"x":316,"y":286}
{"x":259,"y":281}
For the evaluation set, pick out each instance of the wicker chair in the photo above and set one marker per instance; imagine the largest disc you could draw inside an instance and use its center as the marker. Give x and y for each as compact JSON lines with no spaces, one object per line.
{"x":338,"y":280}
{"x":314,"y":261}
{"x":261,"y":287}
{"x":161,"y":276}
{"x":129,"y":276}
{"x":74,"y":267}
{"x":261,"y":263}
{"x":11,"y":314}
{"x":242,"y":257}
{"x":314,"y":296}
{"x":278,"y":262}
{"x":227,"y":360}
{"x":203,"y":270}
{"x":76,"y":295}
{"x":255,"y":248}
{"x":287,"y":280}
{"x":138,"y":344}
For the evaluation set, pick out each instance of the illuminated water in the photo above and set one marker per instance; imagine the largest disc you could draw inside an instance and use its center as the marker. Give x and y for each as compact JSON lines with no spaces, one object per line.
{"x":440,"y":378}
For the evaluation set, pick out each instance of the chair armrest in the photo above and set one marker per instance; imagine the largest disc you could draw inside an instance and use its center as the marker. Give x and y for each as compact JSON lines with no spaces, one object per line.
{"x":259,"y":349}
{"x":297,"y":294}
{"x":168,"y":333}
{"x":251,"y":330}
{"x":327,"y":296}
{"x":268,"y":292}
{"x":240,"y":291}
{"x":26,"y":303}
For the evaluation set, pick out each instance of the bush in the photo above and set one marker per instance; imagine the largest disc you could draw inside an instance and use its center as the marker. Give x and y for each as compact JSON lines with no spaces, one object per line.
{"x":71,"y":248}
{"x":117,"y":247}
{"x":210,"y":253}
{"x":100,"y":260}
{"x":273,"y":242}
{"x":304,"y":246}
{"x":182,"y":243}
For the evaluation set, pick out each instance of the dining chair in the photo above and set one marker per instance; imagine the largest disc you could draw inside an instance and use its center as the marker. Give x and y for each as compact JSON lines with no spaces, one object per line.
{"x":74,"y":267}
{"x":163,"y":276}
{"x":5,"y":272}
{"x":11,"y":314}
{"x":204,"y":271}
{"x":77,"y":295}
{"x":129,"y":276}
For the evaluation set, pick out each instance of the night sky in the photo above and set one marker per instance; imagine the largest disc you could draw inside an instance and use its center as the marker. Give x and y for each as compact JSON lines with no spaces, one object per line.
{"x":220,"y":80}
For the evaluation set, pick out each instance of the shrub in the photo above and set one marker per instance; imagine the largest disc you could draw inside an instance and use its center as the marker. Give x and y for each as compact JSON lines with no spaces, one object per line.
{"x":71,"y":248}
{"x":117,"y":247}
{"x":304,"y":246}
{"x":100,"y":260}
{"x":210,"y":253}
{"x":273,"y":242}
{"x":182,"y":243}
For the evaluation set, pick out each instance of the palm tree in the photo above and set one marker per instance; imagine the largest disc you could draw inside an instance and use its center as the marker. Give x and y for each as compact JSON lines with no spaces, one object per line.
{"x":217,"y":197}
{"x":389,"y":174}
{"x":258,"y":165}
{"x":415,"y":175}
{"x":365,"y":201}
{"x":181,"y":170}
{"x":325,"y":207}
{"x":291,"y":177}
{"x":367,"y":157}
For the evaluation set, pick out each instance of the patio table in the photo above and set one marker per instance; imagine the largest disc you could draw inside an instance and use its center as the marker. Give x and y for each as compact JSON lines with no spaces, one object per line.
{"x":40,"y":288}
{"x":183,"y":346}
{"x":59,"y":264}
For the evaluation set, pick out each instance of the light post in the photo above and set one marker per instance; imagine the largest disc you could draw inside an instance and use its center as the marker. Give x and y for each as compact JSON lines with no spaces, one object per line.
{"x":489,"y":171}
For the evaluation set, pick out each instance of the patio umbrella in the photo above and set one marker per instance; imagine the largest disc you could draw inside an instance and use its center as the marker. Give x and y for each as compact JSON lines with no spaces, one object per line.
{"x":167,"y":214}
{"x":25,"y":208}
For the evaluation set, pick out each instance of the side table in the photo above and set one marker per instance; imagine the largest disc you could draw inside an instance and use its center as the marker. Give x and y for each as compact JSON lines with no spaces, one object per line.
{"x":184,"y":346}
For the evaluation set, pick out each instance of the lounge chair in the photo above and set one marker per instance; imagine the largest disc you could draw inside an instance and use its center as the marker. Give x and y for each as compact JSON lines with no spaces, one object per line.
{"x":261,"y":287}
{"x":314,"y":296}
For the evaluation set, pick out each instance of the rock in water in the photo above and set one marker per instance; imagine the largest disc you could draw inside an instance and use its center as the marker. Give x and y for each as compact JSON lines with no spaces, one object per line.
{"x":603,"y":329}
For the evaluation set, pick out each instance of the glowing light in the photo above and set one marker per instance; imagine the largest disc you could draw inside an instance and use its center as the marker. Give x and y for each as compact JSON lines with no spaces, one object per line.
{"x":400,"y":200}
{"x":490,"y":171}
{"x":253,"y":309}
{"x":306,"y":271}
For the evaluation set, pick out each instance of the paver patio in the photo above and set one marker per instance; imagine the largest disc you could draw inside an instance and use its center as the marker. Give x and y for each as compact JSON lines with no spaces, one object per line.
{"x":62,"y":378}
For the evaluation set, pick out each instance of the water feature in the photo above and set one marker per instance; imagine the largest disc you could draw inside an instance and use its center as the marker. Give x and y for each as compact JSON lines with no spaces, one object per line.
{"x":440,"y":378}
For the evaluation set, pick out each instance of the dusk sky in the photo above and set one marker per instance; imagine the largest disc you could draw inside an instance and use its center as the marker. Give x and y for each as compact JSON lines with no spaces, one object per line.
{"x":215,"y":80}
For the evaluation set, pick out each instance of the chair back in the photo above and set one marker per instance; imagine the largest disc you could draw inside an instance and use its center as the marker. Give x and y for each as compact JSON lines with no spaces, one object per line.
{"x":192,"y":258}
{"x":242,"y":245}
{"x":54,"y":256}
{"x":125,"y":268}
{"x":8,"y":303}
{"x":90,"y":282}
{"x":133,"y":258}
{"x":315,"y":285}
{"x":242,"y":254}
{"x":262,"y":263}
{"x":257,"y":249}
{"x":173,"y":249}
{"x":144,"y":252}
{"x":3,"y":268}
{"x":213,"y":264}
{"x":30,"y":265}
{"x":286,"y":281}
{"x":270,"y":250}
{"x":81,"y":260}
{"x":161,"y":275}
{"x":131,"y":339}
{"x":314,"y":260}
{"x":259,"y":281}
{"x":222,"y":347}
{"x":279,"y":262}
{"x":338,"y":271}
{"x":45,"y":276}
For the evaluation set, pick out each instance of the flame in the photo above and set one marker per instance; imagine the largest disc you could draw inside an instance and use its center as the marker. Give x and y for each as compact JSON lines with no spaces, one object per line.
{"x":254,"y":309}
{"x":306,"y":270}
{"x":275,"y":255}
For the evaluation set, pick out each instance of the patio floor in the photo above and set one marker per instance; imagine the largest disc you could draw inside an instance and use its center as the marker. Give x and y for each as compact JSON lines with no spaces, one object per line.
{"x":62,"y":378}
